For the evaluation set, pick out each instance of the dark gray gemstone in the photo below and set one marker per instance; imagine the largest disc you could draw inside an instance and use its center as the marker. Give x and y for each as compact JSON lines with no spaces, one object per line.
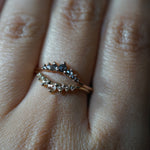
{"x":53,"y":67}
{"x":62,"y":67}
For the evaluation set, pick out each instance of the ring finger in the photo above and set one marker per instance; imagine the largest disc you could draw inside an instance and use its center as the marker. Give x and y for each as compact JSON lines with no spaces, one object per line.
{"x":73,"y":37}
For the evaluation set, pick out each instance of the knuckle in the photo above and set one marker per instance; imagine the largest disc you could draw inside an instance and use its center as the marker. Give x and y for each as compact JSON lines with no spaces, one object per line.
{"x":20,"y":26}
{"x":78,"y":13}
{"x":127,"y":34}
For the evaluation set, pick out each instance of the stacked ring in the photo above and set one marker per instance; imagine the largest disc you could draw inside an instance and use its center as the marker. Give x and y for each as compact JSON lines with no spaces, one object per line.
{"x":54,"y":86}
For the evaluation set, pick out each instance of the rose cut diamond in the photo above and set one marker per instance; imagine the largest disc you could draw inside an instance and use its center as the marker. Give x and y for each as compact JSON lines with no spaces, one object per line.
{"x":51,"y":87}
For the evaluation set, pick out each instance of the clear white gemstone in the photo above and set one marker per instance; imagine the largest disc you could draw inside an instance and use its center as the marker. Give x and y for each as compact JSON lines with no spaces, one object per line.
{"x":42,"y":78}
{"x":51,"y":87}
{"x":67,"y":88}
{"x":60,"y":88}
{"x":39,"y":74}
{"x":45,"y":82}
{"x":57,"y":68}
{"x":48,"y":67}
{"x":63,"y":86}
{"x":72,"y":88}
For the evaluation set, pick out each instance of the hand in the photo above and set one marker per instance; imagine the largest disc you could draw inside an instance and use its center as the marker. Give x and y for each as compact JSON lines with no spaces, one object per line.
{"x":106,"y":43}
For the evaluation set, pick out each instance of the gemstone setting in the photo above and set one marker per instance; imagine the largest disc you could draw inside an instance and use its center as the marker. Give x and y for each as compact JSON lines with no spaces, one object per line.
{"x":54,"y":67}
{"x":60,"y":88}
{"x":51,"y":87}
{"x":44,"y":67}
{"x":66,"y":88}
{"x":62,"y":67}
{"x":48,"y":67}
{"x":68,"y":72}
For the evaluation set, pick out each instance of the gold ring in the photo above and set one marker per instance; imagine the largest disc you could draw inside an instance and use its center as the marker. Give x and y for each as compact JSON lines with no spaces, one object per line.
{"x":60,"y":87}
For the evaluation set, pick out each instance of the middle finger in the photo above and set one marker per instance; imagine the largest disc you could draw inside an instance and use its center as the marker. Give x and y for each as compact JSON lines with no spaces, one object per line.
{"x":73,"y":37}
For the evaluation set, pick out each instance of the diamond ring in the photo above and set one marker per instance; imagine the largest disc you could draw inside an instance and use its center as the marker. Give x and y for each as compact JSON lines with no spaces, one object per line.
{"x":60,"y":87}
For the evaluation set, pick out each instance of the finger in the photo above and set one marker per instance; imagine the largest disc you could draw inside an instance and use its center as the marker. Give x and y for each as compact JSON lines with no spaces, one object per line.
{"x":1,"y":4}
{"x":73,"y":37}
{"x":22,"y":27}
{"x":120,"y":97}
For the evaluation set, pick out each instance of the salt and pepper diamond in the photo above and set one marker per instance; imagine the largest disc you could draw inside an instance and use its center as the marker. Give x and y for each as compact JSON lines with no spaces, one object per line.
{"x":72,"y":76}
{"x":62,"y":67}
{"x":54,"y":67}
{"x":52,"y":87}
{"x":49,"y":66}
{"x":42,"y":78}
{"x":76,"y":80}
{"x":67,"y":88}
{"x":72,"y":88}
{"x":46,"y":82}
{"x":60,"y":88}
{"x":39,"y":75}
{"x":67,"y":72}
{"x":44,"y":67}
{"x":71,"y":72}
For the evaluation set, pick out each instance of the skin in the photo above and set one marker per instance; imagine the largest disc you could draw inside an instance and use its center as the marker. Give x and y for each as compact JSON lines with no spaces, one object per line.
{"x":107,"y":43}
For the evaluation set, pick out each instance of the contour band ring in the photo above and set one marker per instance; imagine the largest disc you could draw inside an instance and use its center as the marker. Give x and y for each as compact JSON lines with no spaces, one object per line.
{"x":65,"y":70}
{"x":54,"y":86}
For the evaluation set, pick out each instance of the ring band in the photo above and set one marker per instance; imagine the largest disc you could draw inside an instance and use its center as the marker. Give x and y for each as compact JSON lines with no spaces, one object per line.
{"x":64,"y":69}
{"x":54,"y":87}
